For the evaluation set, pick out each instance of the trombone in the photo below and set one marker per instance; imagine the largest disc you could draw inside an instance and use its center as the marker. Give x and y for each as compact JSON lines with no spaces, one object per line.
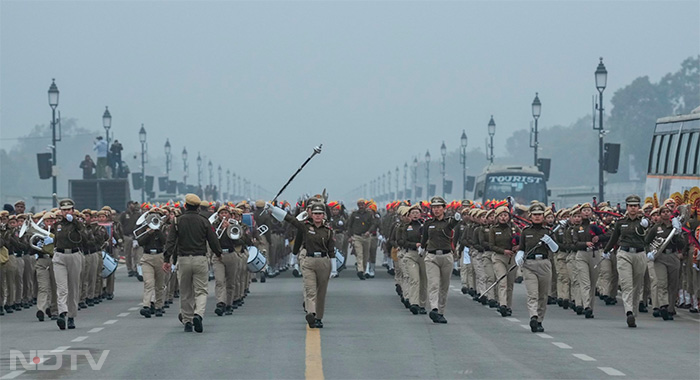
{"x":148,"y":221}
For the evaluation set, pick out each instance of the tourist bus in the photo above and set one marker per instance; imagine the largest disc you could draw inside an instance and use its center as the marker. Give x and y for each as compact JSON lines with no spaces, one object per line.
{"x":524,"y":183}
{"x":674,"y":158}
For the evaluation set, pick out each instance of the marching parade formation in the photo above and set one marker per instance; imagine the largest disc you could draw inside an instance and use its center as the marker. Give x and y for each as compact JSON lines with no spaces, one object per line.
{"x":648,"y":252}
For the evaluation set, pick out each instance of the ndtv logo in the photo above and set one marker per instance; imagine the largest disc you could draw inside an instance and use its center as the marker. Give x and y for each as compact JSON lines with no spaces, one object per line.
{"x":36,"y":359}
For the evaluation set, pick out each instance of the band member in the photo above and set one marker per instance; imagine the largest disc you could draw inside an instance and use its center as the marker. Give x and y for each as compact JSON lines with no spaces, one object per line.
{"x":46,"y":283}
{"x":436,"y":241}
{"x":360,"y":225}
{"x":225,"y":269}
{"x":631,"y":266}
{"x":67,"y":263}
{"x":153,"y":245}
{"x":316,"y":267}
{"x":537,"y":269}
{"x":339,"y":223}
{"x":587,"y":239}
{"x":187,"y":241}
{"x":128,"y":221}
{"x":667,"y":263}
{"x":563,"y":277}
{"x":504,"y":238}
{"x":409,"y":237}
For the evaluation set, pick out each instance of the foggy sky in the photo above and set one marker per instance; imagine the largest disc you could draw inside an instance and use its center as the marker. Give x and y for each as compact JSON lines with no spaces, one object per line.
{"x":256,"y":85}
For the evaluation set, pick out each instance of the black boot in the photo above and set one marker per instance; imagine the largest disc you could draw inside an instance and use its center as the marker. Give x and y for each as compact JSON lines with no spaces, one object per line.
{"x":539,"y":327}
{"x":414,"y":309}
{"x":656,"y":313}
{"x":145,"y":311}
{"x":40,"y":316}
{"x":360,"y":275}
{"x":630,"y":320}
{"x":465,"y":290}
{"x":197,"y":321}
{"x":159,"y":312}
{"x":61,"y":321}
{"x":565,"y":304}
{"x":229,"y":310}
{"x":643,"y":308}
{"x":503,"y":310}
{"x":188,"y":327}
{"x":220,"y":309}
{"x":533,"y":324}
{"x":311,"y":320}
{"x":71,"y":323}
{"x":434,"y":315}
{"x":588,"y":312}
{"x":318,"y":324}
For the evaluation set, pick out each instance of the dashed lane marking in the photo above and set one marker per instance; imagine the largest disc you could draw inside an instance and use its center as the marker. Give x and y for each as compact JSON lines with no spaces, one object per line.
{"x":110,"y":322}
{"x":133,"y":308}
{"x":611,"y":371}
{"x":60,"y":349}
{"x":96,"y":330}
{"x":513,"y":319}
{"x":11,"y":375}
{"x":526,"y":327}
{"x":562,"y":345}
{"x":584,"y":357}
{"x":123,"y":314}
{"x":545,"y":336}
{"x":79,"y":339}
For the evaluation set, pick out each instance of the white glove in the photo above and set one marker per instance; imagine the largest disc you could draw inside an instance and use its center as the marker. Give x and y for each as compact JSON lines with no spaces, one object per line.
{"x":134,"y":243}
{"x":695,"y":266}
{"x":286,"y":242}
{"x":644,"y":223}
{"x":520,"y":258}
{"x":277,"y":212}
{"x":114,"y":241}
{"x":606,"y":255}
{"x":650,"y":256}
{"x":340,"y":223}
{"x":48,"y":240}
{"x":553,"y":246}
{"x":69,"y":217}
{"x":676,"y":224}
{"x":421,"y":251}
{"x":40,"y":244}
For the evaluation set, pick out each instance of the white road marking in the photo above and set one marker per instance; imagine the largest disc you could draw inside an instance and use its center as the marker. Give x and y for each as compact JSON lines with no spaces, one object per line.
{"x":584,"y":357}
{"x":96,"y":330}
{"x":133,"y":308}
{"x":545,"y":336}
{"x":562,"y":345}
{"x":513,"y":319}
{"x":12,"y":375}
{"x":526,"y":327}
{"x":457,"y":290}
{"x":79,"y":339}
{"x":123,"y":314}
{"x":60,"y":349}
{"x":611,"y":371}
{"x":110,"y":322}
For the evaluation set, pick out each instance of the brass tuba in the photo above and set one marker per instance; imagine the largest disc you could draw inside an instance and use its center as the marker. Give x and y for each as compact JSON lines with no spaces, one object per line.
{"x":38,"y":234}
{"x":146,"y":221}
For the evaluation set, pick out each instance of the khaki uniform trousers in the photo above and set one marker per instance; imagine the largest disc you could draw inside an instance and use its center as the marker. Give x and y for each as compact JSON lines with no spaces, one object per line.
{"x":19,"y":280}
{"x":608,"y":280}
{"x":489,"y":276}
{"x":373,"y":246}
{"x":87,"y":277}
{"x":67,"y":268}
{"x":574,"y":286}
{"x":46,"y":285}
{"x":225,"y":275}
{"x":241,"y":270}
{"x":438,"y":269}
{"x":9,"y":275}
{"x":466,"y":272}
{"x":129,"y":252}
{"x":193,"y":275}
{"x":28,"y":290}
{"x":153,"y":279}
{"x":360,"y":245}
{"x":631,"y":268}
{"x":653,"y":291}
{"x":417,"y":290}
{"x":97,"y":270}
{"x":563,"y":290}
{"x":667,"y":267}
{"x":316,"y":272}
{"x":501,"y":264}
{"x":553,"y":290}
{"x":587,"y":276}
{"x":537,"y":275}
{"x":478,"y":270}
{"x":689,"y":274}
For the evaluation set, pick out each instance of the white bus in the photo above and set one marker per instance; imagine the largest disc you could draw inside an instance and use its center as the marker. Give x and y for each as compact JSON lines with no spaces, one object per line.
{"x":674,"y":159}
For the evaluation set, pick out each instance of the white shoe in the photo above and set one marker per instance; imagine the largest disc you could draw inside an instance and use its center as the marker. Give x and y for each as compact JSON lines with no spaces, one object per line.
{"x":334,"y":274}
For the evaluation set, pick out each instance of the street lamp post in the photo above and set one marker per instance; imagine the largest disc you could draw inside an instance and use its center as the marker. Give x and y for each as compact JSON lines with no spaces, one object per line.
{"x":220,"y":189}
{"x":427,"y":174}
{"x":199,"y":171}
{"x":142,"y":139}
{"x":388,"y":184}
{"x":167,"y":158}
{"x":443,"y":153}
{"x":601,"y":80}
{"x":211,"y":174}
{"x":414,"y":177}
{"x":53,"y":103}
{"x":228,"y":184}
{"x":107,"y":123}
{"x":405,"y":180}
{"x":185,"y":166}
{"x":536,"y":111}
{"x":492,"y":131}
{"x":397,"y":182}
{"x":463,"y":161}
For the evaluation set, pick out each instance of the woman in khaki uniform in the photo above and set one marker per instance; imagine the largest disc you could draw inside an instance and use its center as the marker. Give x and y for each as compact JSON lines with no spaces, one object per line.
{"x":504,"y":238}
{"x":316,"y":267}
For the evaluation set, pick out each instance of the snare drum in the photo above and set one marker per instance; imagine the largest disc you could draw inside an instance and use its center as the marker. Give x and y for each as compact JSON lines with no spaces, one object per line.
{"x":256,"y":260}
{"x":109,"y":264}
{"x":339,"y":259}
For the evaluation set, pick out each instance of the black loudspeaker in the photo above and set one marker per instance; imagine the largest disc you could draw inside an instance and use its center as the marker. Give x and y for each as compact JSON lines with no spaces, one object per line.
{"x":544,"y":165}
{"x":163,"y":184}
{"x":43,"y":160}
{"x":137,"y":181}
{"x":470,"y":183}
{"x":172,"y":187}
{"x":149,"y":183}
{"x":431,"y":191}
{"x":611,"y":157}
{"x":447,"y":187}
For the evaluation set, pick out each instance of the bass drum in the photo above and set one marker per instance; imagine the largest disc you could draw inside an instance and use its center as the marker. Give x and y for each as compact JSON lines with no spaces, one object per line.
{"x":340,"y":260}
{"x":256,"y":260}
{"x":109,"y":264}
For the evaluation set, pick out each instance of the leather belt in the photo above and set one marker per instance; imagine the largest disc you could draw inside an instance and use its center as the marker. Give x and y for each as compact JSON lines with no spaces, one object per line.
{"x":317,"y":254}
{"x":536,"y":257}
{"x":67,"y":251}
{"x":225,"y":250}
{"x":192,"y":254}
{"x":632,"y":249}
{"x":151,"y":252}
{"x":439,"y":252}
